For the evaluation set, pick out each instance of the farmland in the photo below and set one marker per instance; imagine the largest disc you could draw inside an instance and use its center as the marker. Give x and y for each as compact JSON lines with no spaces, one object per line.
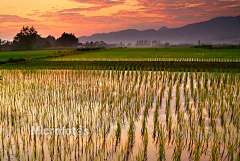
{"x":130,"y":114}
{"x":5,"y":56}
{"x":173,"y":59}
{"x":152,"y":54}
{"x":136,"y":104}
{"x":231,"y":67}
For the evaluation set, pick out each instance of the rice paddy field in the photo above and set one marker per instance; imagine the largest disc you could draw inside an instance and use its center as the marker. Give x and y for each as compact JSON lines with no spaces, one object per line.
{"x":146,"y":113}
{"x":160,"y":54}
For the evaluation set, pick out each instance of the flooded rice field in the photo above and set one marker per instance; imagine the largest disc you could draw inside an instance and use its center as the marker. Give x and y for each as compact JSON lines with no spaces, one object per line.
{"x":119,"y":115}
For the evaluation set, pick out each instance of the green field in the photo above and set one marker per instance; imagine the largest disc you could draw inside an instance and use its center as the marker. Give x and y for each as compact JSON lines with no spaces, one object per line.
{"x":173,"y":59}
{"x":5,"y":56}
{"x":169,"y":54}
{"x":232,"y":67}
{"x":130,"y":54}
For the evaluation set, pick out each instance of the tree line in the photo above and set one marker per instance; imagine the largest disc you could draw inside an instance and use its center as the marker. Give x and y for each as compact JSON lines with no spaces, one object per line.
{"x":29,"y":39}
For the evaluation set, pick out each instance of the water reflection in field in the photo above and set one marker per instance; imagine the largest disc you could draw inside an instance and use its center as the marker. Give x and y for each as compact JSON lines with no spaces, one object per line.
{"x":131,"y":115}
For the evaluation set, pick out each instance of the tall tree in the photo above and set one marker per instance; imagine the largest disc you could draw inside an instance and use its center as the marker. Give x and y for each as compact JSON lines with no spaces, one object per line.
{"x":67,"y":40}
{"x":25,"y":39}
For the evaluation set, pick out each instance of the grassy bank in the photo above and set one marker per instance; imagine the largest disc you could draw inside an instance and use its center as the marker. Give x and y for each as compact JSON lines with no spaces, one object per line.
{"x":5,"y":56}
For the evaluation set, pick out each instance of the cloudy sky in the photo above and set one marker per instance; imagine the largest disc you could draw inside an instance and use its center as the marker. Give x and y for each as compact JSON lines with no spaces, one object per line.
{"x":86,"y":17}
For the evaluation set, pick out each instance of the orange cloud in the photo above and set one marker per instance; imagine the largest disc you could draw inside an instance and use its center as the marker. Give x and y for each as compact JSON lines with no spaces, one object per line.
{"x":102,"y":3}
{"x":13,"y":18}
{"x":86,"y":17}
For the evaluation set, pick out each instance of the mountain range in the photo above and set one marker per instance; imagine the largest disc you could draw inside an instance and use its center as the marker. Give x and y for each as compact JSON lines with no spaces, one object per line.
{"x":217,"y":30}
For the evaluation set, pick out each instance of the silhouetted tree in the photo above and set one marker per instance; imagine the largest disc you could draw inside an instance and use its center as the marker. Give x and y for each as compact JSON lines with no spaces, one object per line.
{"x":41,"y":43}
{"x":51,"y":40}
{"x":96,"y":43}
{"x":5,"y":45}
{"x":91,"y":43}
{"x":167,"y":44}
{"x":67,"y":40}
{"x":29,"y":39}
{"x":26,"y":39}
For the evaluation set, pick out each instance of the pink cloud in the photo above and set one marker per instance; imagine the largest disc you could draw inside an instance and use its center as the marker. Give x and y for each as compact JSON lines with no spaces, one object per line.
{"x":151,"y":14}
{"x":102,"y":3}
{"x":81,"y":9}
{"x":182,"y":12}
{"x":13,"y":18}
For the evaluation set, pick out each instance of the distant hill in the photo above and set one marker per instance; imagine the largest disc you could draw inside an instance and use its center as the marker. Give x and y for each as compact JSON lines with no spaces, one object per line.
{"x":217,"y":30}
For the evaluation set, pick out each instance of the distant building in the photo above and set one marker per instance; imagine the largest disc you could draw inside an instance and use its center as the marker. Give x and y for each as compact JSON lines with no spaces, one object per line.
{"x":156,"y":43}
{"x":129,"y":45}
{"x":97,"y":44}
{"x":143,"y":43}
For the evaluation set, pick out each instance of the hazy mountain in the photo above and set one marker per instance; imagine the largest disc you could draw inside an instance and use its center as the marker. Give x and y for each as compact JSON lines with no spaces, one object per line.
{"x":217,"y":30}
{"x":164,"y":28}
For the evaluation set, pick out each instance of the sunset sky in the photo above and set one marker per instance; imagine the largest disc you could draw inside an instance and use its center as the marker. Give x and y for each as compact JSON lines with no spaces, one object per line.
{"x":86,"y":17}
